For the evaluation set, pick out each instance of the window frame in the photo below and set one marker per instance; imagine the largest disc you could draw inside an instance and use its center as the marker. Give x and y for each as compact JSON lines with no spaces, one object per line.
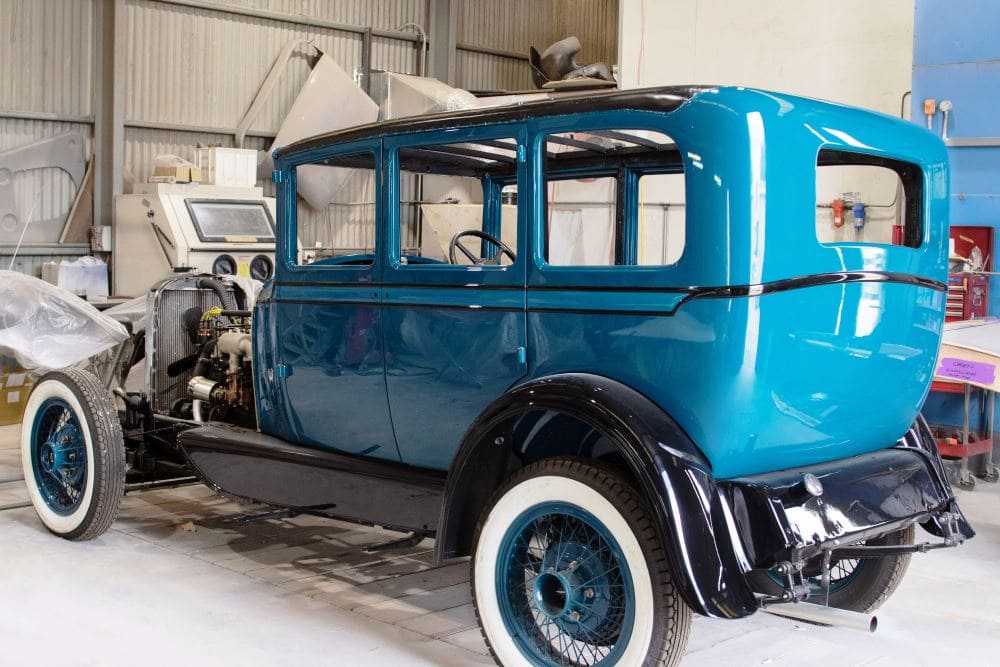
{"x":469,"y":275}
{"x":627,"y":223}
{"x":911,"y":177}
{"x":288,"y":203}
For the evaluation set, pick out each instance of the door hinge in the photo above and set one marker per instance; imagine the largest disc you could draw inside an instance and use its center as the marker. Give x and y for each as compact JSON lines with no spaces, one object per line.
{"x":282,"y":371}
{"x":278,"y":176}
{"x":521,"y":153}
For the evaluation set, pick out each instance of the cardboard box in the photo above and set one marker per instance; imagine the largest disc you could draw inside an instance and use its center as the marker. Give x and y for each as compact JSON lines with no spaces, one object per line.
{"x":179,"y":174}
{"x":15,"y":385}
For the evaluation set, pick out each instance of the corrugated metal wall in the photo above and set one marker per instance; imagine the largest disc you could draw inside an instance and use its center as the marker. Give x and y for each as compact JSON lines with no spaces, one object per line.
{"x":47,"y":59}
{"x":514,"y":25}
{"x":191,"y":69}
{"x":47,"y":51}
{"x":202,"y":68}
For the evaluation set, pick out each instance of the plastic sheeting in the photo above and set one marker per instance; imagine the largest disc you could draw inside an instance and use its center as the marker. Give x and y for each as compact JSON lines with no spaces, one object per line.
{"x":46,"y":327}
{"x":133,"y":310}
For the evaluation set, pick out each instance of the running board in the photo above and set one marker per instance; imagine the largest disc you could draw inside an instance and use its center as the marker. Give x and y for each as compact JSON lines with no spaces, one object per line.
{"x":252,"y":465}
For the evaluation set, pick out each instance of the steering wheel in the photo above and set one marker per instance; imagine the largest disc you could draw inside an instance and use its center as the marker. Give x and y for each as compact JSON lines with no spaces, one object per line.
{"x":475,"y":259}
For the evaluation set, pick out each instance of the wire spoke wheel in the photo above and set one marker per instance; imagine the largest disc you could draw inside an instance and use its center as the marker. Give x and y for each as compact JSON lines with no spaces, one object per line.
{"x":564,"y":593}
{"x":59,"y":456}
{"x":568,"y":571}
{"x":842,"y":572}
{"x":857,"y":584}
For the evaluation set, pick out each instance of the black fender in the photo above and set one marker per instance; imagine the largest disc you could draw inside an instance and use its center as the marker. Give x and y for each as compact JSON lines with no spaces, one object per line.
{"x":951,"y":522}
{"x":692,"y":517}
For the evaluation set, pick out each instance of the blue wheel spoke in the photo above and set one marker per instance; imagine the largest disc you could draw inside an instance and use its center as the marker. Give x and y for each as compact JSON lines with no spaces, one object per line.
{"x":548,"y":560}
{"x":58,"y":456}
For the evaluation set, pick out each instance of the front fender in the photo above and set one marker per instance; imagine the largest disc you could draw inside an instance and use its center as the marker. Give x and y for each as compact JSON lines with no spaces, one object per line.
{"x":693,"y":519}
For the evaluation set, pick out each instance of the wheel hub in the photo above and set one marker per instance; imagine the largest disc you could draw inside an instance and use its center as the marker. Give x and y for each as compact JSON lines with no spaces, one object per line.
{"x":550,"y":594}
{"x":581,"y":584}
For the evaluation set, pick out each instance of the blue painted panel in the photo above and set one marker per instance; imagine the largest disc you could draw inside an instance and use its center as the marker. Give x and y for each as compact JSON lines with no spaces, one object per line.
{"x":334,"y":393}
{"x":975,"y":172}
{"x":950,"y":31}
{"x":469,"y":298}
{"x":443,"y":368}
{"x":766,"y":383}
{"x":957,"y":57}
{"x":974,"y":90}
{"x":454,"y":335}
{"x":324,"y":378}
{"x":976,"y":209}
{"x":575,"y":299}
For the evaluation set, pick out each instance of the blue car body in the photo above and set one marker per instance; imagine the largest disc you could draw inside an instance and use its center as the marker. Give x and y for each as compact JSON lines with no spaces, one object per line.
{"x":396,"y":390}
{"x":760,"y":381}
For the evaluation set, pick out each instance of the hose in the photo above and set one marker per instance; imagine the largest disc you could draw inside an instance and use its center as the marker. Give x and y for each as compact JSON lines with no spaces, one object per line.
{"x":225,"y":296}
{"x":204,"y":358}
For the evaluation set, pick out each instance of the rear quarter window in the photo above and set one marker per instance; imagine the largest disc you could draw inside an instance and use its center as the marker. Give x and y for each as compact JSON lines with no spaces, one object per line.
{"x":868,"y":199}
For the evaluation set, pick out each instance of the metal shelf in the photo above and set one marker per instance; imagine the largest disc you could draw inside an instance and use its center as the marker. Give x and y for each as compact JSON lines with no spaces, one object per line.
{"x":972,"y":142}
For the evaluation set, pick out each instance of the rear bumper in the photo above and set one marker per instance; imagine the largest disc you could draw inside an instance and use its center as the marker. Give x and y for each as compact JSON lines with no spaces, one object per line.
{"x":862,"y":497}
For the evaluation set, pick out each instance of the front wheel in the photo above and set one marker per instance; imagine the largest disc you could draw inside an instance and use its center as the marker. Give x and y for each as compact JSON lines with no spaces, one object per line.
{"x":568,"y":570}
{"x":73,"y":454}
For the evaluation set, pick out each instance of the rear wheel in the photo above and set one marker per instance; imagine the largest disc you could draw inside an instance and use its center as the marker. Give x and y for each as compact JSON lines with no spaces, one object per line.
{"x":568,"y":570}
{"x":73,"y":454}
{"x":857,"y":584}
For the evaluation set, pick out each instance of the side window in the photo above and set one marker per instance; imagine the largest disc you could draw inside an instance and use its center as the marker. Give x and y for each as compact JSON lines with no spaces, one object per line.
{"x":661,"y":219}
{"x":613,"y":198}
{"x":868,"y":199}
{"x":335,"y":220}
{"x":582,"y":216}
{"x":458,"y":203}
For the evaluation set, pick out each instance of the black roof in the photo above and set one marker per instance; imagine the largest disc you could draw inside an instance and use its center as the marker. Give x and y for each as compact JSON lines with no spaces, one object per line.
{"x":644,"y":99}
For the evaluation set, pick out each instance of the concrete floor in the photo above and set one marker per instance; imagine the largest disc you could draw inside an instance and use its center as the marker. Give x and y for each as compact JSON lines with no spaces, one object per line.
{"x":178,"y":581}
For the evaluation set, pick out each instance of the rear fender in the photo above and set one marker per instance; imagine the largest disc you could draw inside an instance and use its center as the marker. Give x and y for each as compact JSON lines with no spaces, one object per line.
{"x":692,"y":517}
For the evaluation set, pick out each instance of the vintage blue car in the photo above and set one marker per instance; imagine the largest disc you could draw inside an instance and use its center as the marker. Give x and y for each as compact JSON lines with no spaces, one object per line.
{"x":631,"y":351}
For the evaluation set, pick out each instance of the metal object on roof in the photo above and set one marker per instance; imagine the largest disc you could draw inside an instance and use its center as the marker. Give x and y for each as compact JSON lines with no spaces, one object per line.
{"x":401,"y":95}
{"x":558,"y":64}
{"x":647,"y":99}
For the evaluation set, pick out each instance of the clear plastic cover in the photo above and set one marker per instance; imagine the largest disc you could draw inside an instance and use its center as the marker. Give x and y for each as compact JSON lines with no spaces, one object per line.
{"x":46,"y":327}
{"x":133,"y":311}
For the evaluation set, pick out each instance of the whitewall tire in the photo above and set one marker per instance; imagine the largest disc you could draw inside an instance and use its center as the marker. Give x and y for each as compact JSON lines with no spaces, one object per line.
{"x":567,"y":570}
{"x":73,"y":454}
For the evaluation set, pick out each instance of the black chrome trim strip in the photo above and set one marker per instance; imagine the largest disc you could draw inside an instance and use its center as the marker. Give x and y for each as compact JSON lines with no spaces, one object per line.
{"x":715,"y":292}
{"x":815,"y":280}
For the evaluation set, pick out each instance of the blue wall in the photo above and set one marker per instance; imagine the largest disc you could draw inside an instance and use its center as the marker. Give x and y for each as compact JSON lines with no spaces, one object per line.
{"x":956,"y":56}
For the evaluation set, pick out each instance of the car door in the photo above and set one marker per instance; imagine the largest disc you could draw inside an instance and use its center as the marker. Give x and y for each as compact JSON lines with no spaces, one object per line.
{"x":327,"y":371}
{"x":454,"y":330}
